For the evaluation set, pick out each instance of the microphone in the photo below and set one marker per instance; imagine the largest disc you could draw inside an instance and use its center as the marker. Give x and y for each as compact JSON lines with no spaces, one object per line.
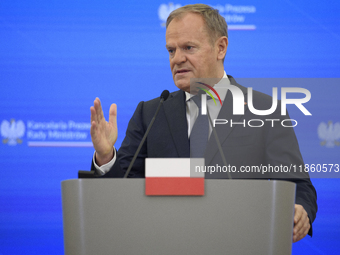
{"x":200,"y":93}
{"x":218,"y":144}
{"x":164,"y":96}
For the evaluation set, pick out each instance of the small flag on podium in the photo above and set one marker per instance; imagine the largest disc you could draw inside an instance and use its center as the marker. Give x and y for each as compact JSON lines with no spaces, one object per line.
{"x":174,"y":177}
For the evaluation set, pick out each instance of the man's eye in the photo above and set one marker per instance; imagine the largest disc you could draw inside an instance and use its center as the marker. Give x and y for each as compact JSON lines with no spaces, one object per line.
{"x":170,"y":51}
{"x":189,"y":47}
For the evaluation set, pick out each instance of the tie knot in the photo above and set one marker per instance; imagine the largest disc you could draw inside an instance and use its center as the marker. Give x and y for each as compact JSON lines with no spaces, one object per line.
{"x":198,"y":100}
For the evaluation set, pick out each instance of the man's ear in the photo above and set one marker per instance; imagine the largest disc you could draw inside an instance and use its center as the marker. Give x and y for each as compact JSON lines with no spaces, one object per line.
{"x":221,"y":46}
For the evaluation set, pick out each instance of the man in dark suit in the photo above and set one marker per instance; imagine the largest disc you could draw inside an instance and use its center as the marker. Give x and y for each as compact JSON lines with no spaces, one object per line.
{"x":196,"y":39}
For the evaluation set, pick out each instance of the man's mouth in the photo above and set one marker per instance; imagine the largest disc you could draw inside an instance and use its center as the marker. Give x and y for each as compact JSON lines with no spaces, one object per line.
{"x":182,"y":71}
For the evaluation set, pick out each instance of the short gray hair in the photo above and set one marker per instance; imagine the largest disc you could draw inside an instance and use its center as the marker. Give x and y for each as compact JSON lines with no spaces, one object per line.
{"x":215,"y":23}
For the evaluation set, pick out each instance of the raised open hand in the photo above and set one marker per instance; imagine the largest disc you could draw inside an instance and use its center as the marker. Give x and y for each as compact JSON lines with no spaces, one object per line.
{"x":104,"y":134}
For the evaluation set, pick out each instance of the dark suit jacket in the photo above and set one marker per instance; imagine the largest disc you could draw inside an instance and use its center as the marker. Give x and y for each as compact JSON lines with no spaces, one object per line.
{"x":242,"y":146}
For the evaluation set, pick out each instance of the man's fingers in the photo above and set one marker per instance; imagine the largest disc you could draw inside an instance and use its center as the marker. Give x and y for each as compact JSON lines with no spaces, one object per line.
{"x":99,"y":111}
{"x":298,"y":223}
{"x":301,"y":222}
{"x":93,"y":114}
{"x":302,"y":232}
{"x":113,"y":115}
{"x":298,"y":213}
{"x":93,"y":130}
{"x":96,"y":113}
{"x":298,"y":226}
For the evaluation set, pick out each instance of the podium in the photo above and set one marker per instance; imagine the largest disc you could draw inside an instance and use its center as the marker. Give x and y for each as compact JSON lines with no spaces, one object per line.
{"x":114,"y":216}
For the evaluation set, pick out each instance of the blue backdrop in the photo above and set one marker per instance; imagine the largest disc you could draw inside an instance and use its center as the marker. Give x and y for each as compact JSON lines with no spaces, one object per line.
{"x":57,"y":56}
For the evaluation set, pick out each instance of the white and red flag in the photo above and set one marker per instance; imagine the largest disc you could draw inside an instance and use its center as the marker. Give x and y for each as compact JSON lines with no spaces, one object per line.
{"x":174,"y":177}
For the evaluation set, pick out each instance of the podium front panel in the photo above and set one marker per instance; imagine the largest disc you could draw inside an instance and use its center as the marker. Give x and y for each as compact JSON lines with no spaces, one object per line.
{"x":114,"y":216}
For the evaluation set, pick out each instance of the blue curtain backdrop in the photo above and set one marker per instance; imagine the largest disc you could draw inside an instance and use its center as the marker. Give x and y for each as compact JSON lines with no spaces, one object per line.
{"x":57,"y":56}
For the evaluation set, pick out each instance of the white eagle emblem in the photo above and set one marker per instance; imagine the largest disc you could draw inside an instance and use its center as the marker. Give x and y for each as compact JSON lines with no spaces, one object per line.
{"x":12,"y":131}
{"x":164,"y":10}
{"x":329,"y":134}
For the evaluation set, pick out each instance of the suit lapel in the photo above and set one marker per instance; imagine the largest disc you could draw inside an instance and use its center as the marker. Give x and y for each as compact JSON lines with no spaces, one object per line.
{"x":223,"y":131}
{"x":175,"y":113}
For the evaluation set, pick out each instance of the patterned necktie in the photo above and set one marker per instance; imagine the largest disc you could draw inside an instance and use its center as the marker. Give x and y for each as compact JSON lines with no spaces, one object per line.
{"x":199,"y":133}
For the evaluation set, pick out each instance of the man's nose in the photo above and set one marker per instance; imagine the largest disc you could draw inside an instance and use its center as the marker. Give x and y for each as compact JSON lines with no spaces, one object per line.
{"x":179,"y":57}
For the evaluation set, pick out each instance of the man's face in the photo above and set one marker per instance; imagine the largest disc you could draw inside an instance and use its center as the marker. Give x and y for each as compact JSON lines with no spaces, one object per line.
{"x":190,"y":51}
